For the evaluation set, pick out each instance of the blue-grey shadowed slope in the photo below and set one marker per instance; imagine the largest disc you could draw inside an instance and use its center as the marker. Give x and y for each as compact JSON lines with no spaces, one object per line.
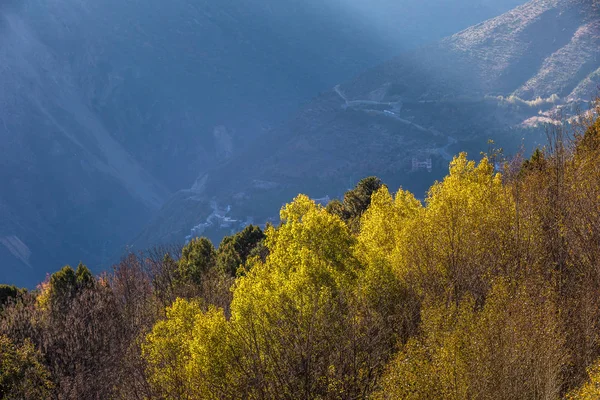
{"x":108,"y":107}
{"x":502,"y":79}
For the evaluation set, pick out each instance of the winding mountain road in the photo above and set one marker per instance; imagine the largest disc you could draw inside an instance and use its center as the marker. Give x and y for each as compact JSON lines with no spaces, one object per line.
{"x":397,"y":106}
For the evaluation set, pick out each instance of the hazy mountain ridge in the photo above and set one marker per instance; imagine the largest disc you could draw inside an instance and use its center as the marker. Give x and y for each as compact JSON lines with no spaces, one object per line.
{"x":109,"y":106}
{"x":505,"y":55}
{"x":484,"y":82}
{"x":556,"y":43}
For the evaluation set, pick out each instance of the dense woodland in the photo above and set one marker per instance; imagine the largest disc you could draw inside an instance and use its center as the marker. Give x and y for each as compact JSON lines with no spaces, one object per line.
{"x":489,"y":289}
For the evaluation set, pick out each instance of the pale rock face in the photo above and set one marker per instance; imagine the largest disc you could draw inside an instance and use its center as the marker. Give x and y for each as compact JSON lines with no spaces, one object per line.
{"x":17,"y":248}
{"x":564,"y":69}
{"x":200,"y":185}
{"x":223,"y":142}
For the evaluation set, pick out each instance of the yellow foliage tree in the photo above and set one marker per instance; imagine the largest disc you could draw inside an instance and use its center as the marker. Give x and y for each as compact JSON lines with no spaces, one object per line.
{"x":387,"y":296}
{"x":590,"y":390}
{"x":465,"y":233}
{"x":513,"y":347}
{"x":293,"y":329}
{"x":167,"y":350}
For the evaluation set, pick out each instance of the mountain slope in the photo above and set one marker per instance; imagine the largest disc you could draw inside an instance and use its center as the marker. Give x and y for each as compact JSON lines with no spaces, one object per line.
{"x":498,"y":79}
{"x":107,"y":107}
{"x":59,"y":163}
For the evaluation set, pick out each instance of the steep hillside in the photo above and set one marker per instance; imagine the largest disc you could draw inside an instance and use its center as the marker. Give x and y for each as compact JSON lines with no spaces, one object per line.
{"x":106,"y":107}
{"x":499,"y":80}
{"x":65,"y":180}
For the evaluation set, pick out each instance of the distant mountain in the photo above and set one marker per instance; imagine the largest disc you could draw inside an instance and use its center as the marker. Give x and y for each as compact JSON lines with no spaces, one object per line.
{"x":403,"y":120}
{"x":108,"y":107}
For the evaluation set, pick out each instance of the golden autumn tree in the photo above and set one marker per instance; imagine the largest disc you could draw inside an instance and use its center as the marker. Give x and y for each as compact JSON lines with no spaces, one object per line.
{"x":511,"y":348}
{"x":294,"y":328}
{"x":464,"y":235}
{"x":388,"y":292}
{"x":589,"y":390}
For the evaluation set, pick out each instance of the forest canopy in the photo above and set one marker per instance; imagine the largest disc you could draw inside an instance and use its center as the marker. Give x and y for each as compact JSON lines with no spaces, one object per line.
{"x":488,"y":289}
